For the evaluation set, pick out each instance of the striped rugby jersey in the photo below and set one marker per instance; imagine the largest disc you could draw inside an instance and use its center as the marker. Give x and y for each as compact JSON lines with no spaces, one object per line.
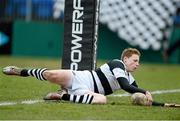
{"x":105,"y":77}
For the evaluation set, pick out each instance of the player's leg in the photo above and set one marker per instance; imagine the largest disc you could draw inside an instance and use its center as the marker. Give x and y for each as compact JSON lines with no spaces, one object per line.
{"x":87,"y":98}
{"x":60,"y":77}
{"x":79,"y":93}
{"x":97,"y":98}
{"x":13,"y":70}
{"x":55,"y":95}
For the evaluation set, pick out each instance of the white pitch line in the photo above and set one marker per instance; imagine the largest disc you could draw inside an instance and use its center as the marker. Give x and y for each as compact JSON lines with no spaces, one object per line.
{"x":114,"y":95}
{"x":7,"y":103}
{"x":153,"y":92}
{"x":20,"y":102}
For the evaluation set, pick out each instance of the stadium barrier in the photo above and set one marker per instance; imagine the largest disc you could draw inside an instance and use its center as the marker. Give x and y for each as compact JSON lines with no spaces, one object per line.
{"x":31,"y":39}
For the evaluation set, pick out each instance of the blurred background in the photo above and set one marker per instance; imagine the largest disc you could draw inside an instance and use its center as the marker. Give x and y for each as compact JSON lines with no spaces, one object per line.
{"x":35,"y":28}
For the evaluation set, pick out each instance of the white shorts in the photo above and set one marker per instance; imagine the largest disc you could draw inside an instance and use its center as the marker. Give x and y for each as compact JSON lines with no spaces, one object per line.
{"x":81,"y":83}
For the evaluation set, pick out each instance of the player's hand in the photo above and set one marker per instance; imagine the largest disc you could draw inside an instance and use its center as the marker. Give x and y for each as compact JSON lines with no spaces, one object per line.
{"x":149,"y":98}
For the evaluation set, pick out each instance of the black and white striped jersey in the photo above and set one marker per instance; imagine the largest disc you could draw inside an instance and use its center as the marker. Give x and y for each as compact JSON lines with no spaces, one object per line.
{"x":106,"y":77}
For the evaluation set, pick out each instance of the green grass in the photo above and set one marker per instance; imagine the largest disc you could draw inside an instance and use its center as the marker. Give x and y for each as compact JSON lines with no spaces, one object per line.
{"x":149,"y":76}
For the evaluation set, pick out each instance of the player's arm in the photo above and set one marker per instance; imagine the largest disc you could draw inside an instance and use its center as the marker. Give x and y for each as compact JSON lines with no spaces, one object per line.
{"x":129,"y":88}
{"x":133,"y":89}
{"x":118,"y":70}
{"x":134,"y":84}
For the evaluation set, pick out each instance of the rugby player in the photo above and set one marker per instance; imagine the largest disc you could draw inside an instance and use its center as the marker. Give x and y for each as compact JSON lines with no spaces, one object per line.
{"x":91,"y":86}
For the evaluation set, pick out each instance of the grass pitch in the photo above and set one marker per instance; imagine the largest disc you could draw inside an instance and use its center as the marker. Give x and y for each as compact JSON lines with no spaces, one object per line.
{"x":149,"y":76}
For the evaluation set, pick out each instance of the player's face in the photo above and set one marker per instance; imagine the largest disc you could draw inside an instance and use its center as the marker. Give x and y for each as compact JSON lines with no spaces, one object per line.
{"x":132,"y":62}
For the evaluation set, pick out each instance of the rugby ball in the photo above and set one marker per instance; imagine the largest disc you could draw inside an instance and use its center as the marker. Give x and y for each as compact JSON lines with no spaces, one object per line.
{"x":139,"y":99}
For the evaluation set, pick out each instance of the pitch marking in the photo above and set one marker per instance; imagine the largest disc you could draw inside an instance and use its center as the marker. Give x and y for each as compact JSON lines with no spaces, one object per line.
{"x":114,"y":95}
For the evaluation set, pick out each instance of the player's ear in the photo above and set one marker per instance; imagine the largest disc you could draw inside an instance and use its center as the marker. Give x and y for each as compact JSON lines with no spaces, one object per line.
{"x":125,"y":58}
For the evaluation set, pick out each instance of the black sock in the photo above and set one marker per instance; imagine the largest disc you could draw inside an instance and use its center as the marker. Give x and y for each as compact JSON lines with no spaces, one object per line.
{"x":24,"y":72}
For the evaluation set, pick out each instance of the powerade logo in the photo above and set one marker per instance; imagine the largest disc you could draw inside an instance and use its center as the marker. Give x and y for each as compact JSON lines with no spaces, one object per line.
{"x":3,"y":39}
{"x":77,"y":31}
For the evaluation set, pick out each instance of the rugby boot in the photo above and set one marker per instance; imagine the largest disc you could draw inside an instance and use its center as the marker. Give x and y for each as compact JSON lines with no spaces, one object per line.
{"x":55,"y":95}
{"x":12,"y":70}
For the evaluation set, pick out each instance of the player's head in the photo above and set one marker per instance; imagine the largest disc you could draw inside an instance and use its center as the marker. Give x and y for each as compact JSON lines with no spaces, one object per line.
{"x":130,"y":57}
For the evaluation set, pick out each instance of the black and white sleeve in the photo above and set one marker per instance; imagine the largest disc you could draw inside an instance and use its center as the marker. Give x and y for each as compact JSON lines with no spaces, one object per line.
{"x":134,"y":84}
{"x":127,"y":87}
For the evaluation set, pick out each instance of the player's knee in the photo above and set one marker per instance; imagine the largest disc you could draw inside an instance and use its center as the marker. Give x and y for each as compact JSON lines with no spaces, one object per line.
{"x":99,"y":99}
{"x":104,"y":99}
{"x":50,"y":75}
